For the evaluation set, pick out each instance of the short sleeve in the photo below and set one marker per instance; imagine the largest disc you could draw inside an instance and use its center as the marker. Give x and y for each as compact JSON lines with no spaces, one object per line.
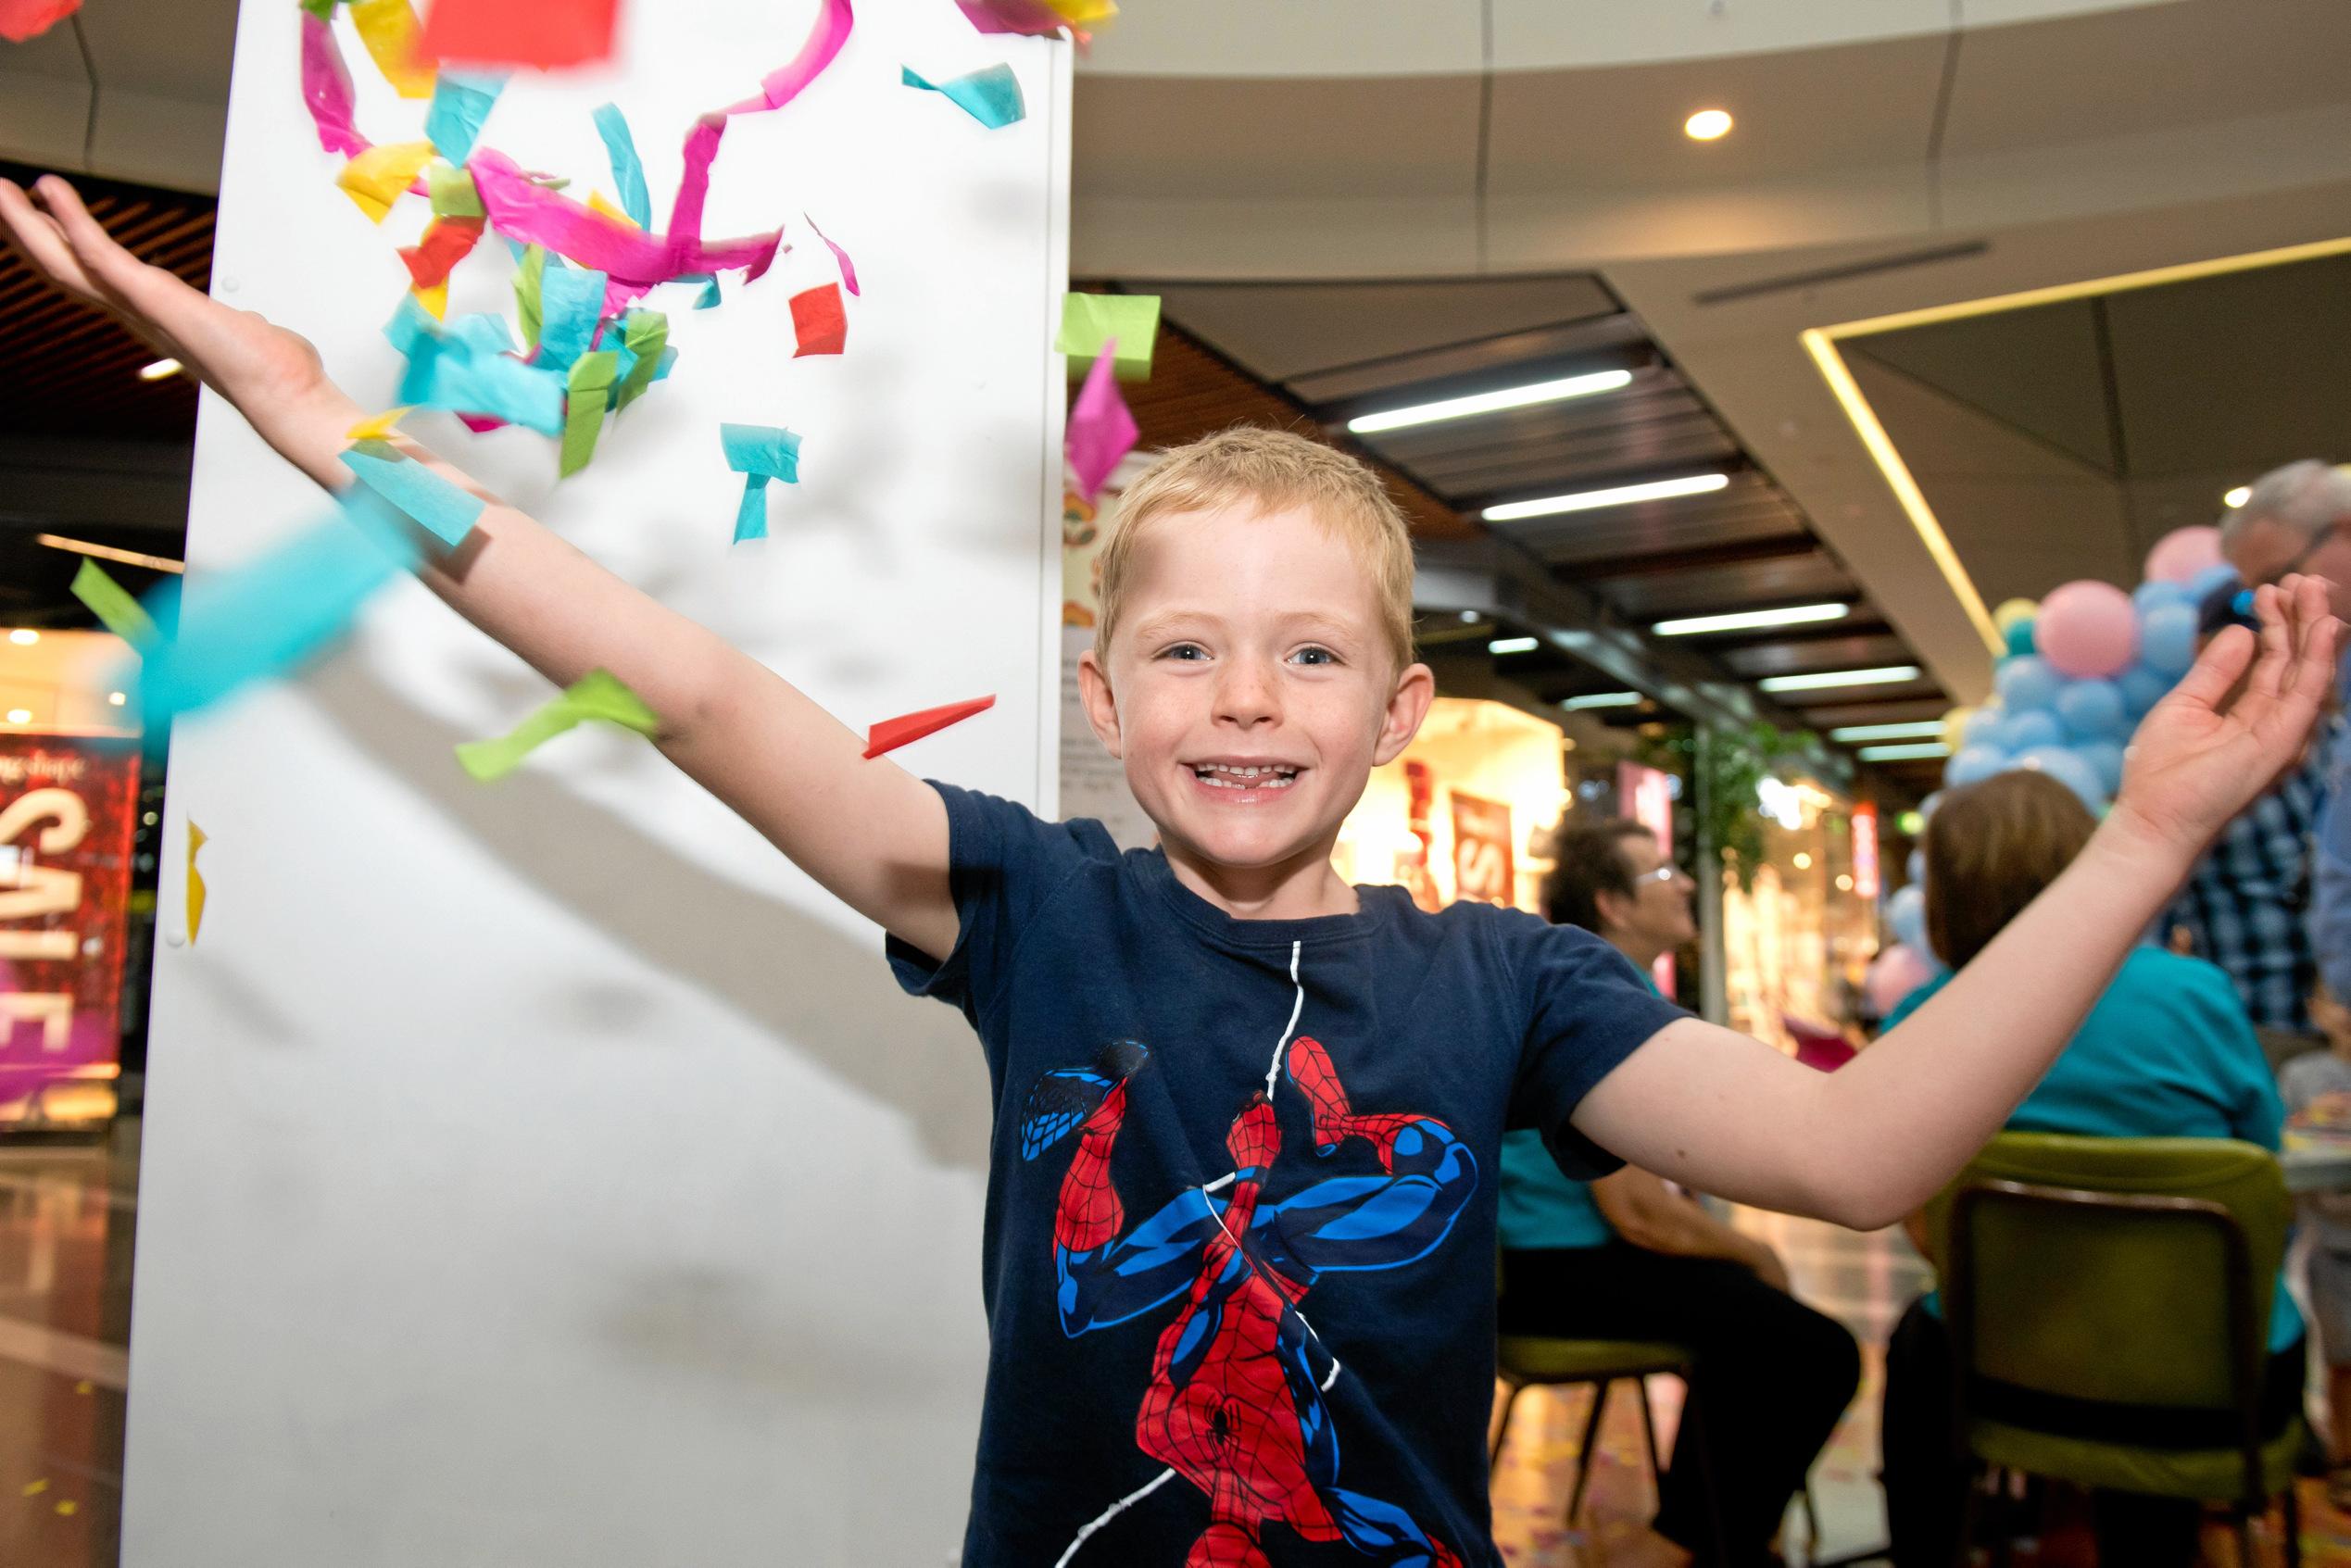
{"x":1004,"y":865}
{"x":1588,"y":1009}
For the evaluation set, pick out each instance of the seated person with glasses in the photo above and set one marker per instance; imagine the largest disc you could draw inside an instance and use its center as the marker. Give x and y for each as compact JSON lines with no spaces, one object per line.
{"x":2167,"y":1052}
{"x":1628,"y":1257}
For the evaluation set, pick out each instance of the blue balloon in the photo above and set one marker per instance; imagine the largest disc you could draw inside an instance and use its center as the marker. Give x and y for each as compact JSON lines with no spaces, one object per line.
{"x":2019,"y":635}
{"x":2210,"y":581}
{"x":2092,"y":710}
{"x":1906,"y":916}
{"x":1982,"y":727}
{"x":2168,"y":639}
{"x":2061,"y":764}
{"x":2105,"y":757}
{"x":2029,"y":682}
{"x":1927,"y":810}
{"x":1973,"y":765}
{"x":1916,"y":866}
{"x":2022,"y":732}
{"x":2142,"y":689}
{"x":2150,"y":595}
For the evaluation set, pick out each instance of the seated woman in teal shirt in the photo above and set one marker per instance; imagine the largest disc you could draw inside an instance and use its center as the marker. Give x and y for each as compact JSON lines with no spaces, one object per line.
{"x":2167,"y":1052}
{"x":1629,"y":1258}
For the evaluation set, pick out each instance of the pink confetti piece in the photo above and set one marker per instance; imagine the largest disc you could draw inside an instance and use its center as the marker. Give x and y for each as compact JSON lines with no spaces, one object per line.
{"x":1031,"y":16}
{"x":535,"y":215}
{"x":326,"y":88}
{"x":1102,"y":430}
{"x":848,"y":267}
{"x":825,"y":40}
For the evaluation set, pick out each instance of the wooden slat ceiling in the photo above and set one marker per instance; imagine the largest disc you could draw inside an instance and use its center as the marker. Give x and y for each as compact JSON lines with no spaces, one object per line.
{"x":68,"y":370}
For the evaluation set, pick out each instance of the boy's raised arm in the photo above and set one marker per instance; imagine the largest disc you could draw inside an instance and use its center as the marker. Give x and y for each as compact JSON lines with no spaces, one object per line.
{"x":1867,"y":1144}
{"x":869,"y":832}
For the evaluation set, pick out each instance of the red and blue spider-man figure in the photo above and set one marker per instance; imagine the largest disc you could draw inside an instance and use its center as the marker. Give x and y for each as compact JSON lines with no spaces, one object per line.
{"x":1234,"y":1405}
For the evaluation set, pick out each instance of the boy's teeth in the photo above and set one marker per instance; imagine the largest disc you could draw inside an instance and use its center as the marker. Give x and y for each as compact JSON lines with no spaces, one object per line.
{"x":1228,"y":776}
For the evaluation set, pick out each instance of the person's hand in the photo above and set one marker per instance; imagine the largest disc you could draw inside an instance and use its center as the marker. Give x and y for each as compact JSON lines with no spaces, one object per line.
{"x":258,"y":367}
{"x":2200,"y":757}
{"x":1770,"y":1269}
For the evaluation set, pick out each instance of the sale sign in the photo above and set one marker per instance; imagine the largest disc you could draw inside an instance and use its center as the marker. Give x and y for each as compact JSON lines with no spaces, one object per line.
{"x":66,"y":827}
{"x":1483,"y":865}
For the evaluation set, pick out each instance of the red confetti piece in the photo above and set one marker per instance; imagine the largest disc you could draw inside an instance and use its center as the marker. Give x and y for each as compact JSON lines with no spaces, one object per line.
{"x":446,"y":242}
{"x":891,"y":734}
{"x":520,"y":32}
{"x":21,"y":20}
{"x":817,"y":320}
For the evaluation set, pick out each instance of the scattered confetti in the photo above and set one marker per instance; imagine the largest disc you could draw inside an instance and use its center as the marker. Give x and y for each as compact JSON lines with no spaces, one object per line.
{"x":459,"y":105}
{"x":825,"y":40}
{"x":376,"y":178}
{"x":326,"y":88}
{"x":426,"y":498}
{"x":646,"y":334}
{"x":545,"y":34}
{"x":818,"y":324}
{"x":598,"y":695}
{"x":991,"y":94}
{"x":195,"y":883}
{"x":388,"y":28}
{"x":763,"y":453}
{"x":891,"y":734}
{"x":628,"y":169}
{"x":67,"y":1507}
{"x":848,"y":267}
{"x":114,"y":607}
{"x":23,"y":20}
{"x":1102,"y":430}
{"x":452,"y":193}
{"x":593,"y":378}
{"x":1088,"y":320}
{"x":445,"y":241}
{"x":378,"y":427}
{"x":35,"y":1488}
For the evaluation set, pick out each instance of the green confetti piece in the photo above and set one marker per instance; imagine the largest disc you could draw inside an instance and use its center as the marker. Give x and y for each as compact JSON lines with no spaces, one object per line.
{"x":526,"y":295}
{"x":646,"y":333}
{"x":1088,"y":320}
{"x":592,"y":379}
{"x":452,"y":191}
{"x":599,"y":695}
{"x":114,"y":607}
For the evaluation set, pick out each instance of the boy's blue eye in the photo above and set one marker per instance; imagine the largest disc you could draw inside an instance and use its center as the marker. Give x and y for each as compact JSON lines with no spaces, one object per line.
{"x":1316,"y":656}
{"x":1185,"y":650}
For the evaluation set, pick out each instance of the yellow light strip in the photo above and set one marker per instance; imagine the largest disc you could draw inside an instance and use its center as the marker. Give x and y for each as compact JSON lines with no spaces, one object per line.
{"x":1821,"y":343}
{"x":1907,"y":491}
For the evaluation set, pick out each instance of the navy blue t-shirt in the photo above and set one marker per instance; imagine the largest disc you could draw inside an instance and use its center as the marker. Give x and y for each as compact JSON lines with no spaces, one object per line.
{"x":1239,"y":1262}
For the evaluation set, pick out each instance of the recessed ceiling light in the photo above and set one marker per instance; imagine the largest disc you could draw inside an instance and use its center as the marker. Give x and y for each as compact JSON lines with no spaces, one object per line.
{"x":159,"y":371}
{"x":1844,"y":883}
{"x":1514,"y":645}
{"x":20,"y":716}
{"x":117,"y":699}
{"x":1492,"y":402}
{"x":1803,"y":859}
{"x":1794,"y":615}
{"x":1615,"y":495}
{"x":1888,"y":731}
{"x":2237,"y":497}
{"x":24,"y":636}
{"x":1601,"y":699}
{"x":1707,"y":125}
{"x":1903,"y":753}
{"x":1822,"y":680}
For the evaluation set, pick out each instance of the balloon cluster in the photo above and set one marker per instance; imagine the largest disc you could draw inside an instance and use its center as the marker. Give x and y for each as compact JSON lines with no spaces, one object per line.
{"x":2084,"y":667}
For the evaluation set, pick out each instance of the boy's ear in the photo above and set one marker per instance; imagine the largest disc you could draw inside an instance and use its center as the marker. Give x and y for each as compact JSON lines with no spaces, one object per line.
{"x":1407,"y":706}
{"x":1101,"y":705}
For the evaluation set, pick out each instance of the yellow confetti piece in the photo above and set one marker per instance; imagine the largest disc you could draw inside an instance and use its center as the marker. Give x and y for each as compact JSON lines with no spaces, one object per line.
{"x":434,"y":299}
{"x":85,"y":1387}
{"x":67,"y":1508}
{"x":1078,"y":13}
{"x":35,"y":1488}
{"x":378,"y":427}
{"x":389,"y":30}
{"x":195,"y":883}
{"x":376,"y":178}
{"x":598,"y":204}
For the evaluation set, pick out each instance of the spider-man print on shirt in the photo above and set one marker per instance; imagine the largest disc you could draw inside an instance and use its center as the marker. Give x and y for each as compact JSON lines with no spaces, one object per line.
{"x":1235,"y":1404}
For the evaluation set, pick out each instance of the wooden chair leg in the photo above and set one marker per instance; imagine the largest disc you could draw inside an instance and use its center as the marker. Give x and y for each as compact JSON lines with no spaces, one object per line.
{"x":1649,"y":1427}
{"x":1501,"y":1428}
{"x":1584,"y":1450}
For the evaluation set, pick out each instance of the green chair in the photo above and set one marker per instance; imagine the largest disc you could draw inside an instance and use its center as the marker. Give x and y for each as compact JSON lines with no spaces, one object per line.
{"x":1523,"y":1360}
{"x":2133,"y":1271}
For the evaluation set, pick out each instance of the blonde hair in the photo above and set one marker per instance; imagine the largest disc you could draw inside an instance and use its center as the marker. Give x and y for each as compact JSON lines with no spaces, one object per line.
{"x":1272,"y":469}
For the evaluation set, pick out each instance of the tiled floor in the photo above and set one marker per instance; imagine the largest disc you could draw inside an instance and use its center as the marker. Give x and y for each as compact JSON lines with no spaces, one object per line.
{"x":1865,"y":1281}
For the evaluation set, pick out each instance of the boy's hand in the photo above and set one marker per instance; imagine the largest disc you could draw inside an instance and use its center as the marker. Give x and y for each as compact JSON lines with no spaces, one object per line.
{"x":2200,"y":757}
{"x":264,"y":369}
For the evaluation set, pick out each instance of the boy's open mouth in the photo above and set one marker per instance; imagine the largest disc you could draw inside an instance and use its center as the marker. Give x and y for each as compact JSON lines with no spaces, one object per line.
{"x":1230,"y":776}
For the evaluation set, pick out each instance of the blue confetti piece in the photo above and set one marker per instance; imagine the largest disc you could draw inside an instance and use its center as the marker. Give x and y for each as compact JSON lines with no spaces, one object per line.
{"x":571,"y":304}
{"x":628,"y":169}
{"x":460,"y":104}
{"x":471,"y":368}
{"x":991,"y":94}
{"x":763,"y":453}
{"x":440,"y":507}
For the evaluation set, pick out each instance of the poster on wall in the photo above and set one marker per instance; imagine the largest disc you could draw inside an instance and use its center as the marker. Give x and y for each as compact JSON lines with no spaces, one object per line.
{"x":65,"y":808}
{"x":1482,"y":851}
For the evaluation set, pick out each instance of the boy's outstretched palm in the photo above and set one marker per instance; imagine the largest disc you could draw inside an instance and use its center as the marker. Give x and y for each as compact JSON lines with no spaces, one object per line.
{"x":2200,"y":757}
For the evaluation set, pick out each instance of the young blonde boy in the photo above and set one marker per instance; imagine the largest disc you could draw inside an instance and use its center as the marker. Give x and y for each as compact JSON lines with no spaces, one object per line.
{"x":1240,"y":1219}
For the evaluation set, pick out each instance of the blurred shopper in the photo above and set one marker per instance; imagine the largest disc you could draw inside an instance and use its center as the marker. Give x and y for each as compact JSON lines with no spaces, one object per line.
{"x":2317,"y":1088}
{"x":2168,"y":1051}
{"x":2246,"y":905}
{"x":1628,"y":1256}
{"x":2298,"y":519}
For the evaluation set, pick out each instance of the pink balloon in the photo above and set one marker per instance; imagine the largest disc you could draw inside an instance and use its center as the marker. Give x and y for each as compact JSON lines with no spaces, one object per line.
{"x":2087,"y":630}
{"x":2184,"y":552}
{"x":1895,"y":972}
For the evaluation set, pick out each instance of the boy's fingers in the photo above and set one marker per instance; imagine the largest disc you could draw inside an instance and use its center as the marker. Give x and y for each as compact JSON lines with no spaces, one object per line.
{"x":2217,"y":669}
{"x":36,"y":235}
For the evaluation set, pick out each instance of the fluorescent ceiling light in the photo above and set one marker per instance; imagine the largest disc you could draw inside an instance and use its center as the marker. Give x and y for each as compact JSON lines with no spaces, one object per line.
{"x":160,"y":370}
{"x":1707,"y":125}
{"x":1888,"y":731}
{"x":1492,"y":402}
{"x":20,"y":716}
{"x":1615,"y":495}
{"x":1602,"y":699}
{"x":1794,"y":615}
{"x":1822,"y":680}
{"x":1903,"y":753}
{"x":107,"y":552}
{"x":2237,"y":497}
{"x":24,"y":636}
{"x":1514,"y":645}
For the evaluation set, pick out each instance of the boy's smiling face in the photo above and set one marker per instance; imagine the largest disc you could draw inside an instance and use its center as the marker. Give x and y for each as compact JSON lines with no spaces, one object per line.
{"x":1250,"y":692}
